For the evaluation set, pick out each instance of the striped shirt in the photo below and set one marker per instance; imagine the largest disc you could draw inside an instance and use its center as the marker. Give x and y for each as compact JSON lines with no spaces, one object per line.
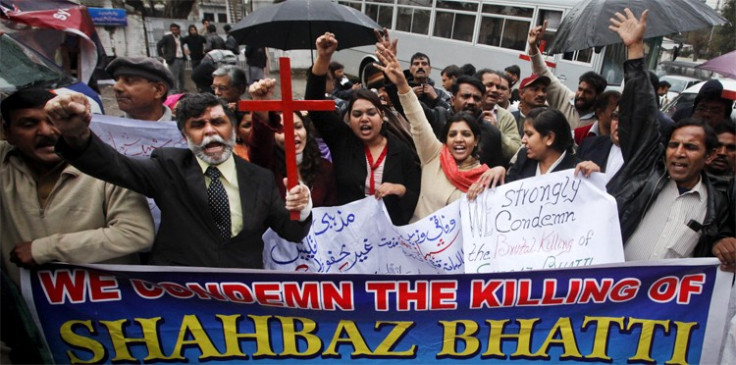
{"x":663,"y":232}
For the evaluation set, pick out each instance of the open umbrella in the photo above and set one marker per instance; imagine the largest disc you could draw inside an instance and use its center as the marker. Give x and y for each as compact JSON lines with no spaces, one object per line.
{"x":724,"y":65}
{"x":296,"y":24}
{"x":586,"y":25}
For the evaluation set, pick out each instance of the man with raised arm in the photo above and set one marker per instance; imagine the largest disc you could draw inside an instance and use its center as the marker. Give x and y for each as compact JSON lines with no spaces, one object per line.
{"x":214,"y":206}
{"x":578,"y":107}
{"x":667,"y":206}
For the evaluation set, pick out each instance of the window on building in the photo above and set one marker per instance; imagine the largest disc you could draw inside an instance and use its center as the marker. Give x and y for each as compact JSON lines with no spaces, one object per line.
{"x":208,"y":16}
{"x":505,"y":26}
{"x":382,"y":14}
{"x":455,"y":20}
{"x":413,"y":20}
{"x":221,"y":18}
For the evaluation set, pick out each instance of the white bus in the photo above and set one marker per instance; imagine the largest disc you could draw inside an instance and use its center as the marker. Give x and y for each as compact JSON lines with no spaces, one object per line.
{"x":486,"y":33}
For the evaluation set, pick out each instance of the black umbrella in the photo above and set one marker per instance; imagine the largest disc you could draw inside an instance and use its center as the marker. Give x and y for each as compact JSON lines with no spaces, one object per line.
{"x":296,"y":24}
{"x":586,"y":25}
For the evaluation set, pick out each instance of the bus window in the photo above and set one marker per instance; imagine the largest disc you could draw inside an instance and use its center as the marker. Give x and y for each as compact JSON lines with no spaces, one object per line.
{"x":505,"y":26}
{"x":413,"y":19}
{"x":457,"y":24}
{"x":353,"y":5}
{"x":382,"y":14}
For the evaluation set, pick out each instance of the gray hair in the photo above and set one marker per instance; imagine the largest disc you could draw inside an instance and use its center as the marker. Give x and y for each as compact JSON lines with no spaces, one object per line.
{"x":235,"y":73}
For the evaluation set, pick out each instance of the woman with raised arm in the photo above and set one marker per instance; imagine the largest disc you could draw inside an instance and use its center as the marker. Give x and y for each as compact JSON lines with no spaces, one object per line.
{"x":367,"y":160}
{"x":266,"y":141}
{"x":450,"y":168}
{"x":547,"y":147}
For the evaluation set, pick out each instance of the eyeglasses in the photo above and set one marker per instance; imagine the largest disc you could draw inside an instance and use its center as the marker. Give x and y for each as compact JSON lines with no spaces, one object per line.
{"x":709,"y":110}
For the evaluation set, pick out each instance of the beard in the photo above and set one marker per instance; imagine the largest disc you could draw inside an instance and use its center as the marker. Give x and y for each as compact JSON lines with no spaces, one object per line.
{"x":214,"y":159}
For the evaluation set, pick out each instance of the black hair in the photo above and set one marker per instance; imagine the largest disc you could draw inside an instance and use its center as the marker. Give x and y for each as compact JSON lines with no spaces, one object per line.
{"x":310,"y":167}
{"x":514,"y":69}
{"x":711,"y":139}
{"x":471,"y":122}
{"x":725,"y":127}
{"x":212,"y":28}
{"x":451,"y":71}
{"x":174,"y":25}
{"x":419,"y":55}
{"x":334,"y":66}
{"x":465,"y":79}
{"x":468,"y":69}
{"x":546,"y":120}
{"x":366,"y":95}
{"x":226,"y":27}
{"x":595,"y":80}
{"x":604,"y":101}
{"x":194,"y":105}
{"x":31,"y":98}
{"x":664,"y":84}
{"x":192,"y":26}
{"x":479,"y":75}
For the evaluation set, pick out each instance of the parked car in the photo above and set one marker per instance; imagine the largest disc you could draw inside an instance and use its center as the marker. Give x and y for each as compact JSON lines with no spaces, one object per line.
{"x":679,"y":84}
{"x":686,"y":99}
{"x":23,"y":67}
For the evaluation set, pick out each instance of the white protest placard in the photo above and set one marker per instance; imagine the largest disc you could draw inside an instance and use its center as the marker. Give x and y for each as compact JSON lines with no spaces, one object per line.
{"x":359,"y":238}
{"x":137,"y":138}
{"x":547,"y":222}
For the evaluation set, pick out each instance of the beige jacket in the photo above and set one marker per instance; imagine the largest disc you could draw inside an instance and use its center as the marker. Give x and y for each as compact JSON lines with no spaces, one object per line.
{"x":437,"y":191}
{"x":85,"y":220}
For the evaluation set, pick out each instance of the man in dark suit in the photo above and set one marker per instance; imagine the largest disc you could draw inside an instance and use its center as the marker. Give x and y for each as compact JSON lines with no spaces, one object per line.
{"x":214,"y":206}
{"x":170,"y":48}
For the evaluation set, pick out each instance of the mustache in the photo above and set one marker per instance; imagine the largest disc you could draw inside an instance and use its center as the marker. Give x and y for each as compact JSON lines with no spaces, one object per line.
{"x":46,"y":141}
{"x":215,"y":139}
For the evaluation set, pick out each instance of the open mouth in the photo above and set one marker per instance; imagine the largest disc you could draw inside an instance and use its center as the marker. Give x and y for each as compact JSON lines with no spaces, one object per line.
{"x":679,"y":166}
{"x":459,"y":149}
{"x":213,"y":148}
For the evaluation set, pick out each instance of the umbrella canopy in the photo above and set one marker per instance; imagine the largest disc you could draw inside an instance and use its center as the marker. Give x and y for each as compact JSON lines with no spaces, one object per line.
{"x":724,"y":65}
{"x":586,"y":25}
{"x":63,"y":15}
{"x":296,"y":24}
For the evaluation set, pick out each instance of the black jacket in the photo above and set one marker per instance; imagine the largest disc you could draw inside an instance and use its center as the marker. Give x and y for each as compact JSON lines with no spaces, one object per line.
{"x":166,"y":47}
{"x":525,"y":167}
{"x":188,"y":235}
{"x":596,"y":149}
{"x":348,"y":158}
{"x":644,"y":173}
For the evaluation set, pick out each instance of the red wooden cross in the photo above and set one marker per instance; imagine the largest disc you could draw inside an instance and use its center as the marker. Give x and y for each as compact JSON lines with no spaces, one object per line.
{"x":287,"y":105}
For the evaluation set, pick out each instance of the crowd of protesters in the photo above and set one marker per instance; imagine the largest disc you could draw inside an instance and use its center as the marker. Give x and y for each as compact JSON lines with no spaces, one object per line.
{"x":394,"y":135}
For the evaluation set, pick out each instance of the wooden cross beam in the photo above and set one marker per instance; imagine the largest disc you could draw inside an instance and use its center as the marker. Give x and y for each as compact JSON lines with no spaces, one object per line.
{"x":287,"y":105}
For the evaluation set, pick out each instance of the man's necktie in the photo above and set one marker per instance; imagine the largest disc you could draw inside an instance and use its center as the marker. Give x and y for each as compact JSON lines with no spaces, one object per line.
{"x":219,"y":205}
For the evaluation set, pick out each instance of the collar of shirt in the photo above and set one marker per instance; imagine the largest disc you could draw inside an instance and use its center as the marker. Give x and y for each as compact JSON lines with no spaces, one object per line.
{"x":167,"y":117}
{"x":594,"y":129}
{"x":554,"y":165}
{"x":227,"y":169}
{"x":698,"y":189}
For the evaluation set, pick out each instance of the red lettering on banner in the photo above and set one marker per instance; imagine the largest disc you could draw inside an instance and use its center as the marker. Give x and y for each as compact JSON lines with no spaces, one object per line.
{"x":525,"y":293}
{"x":664,"y":289}
{"x":212,"y":291}
{"x":594,"y":290}
{"x":237,"y":292}
{"x":333,"y":298}
{"x":690,"y":284}
{"x":63,"y":285}
{"x":306,"y":297}
{"x":509,"y":295}
{"x":573,"y":291}
{"x":405,"y":295}
{"x":550,"y":289}
{"x":146,"y":290}
{"x":483,"y":294}
{"x":380,"y":290}
{"x":625,"y":289}
{"x":176,"y":290}
{"x":443,"y":295}
{"x":268,"y":294}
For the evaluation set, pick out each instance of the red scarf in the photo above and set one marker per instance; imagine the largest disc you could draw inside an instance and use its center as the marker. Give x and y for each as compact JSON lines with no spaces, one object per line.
{"x":461,"y":179}
{"x":373,"y":166}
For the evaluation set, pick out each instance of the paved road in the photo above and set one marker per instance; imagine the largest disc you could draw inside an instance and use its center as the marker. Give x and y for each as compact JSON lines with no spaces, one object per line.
{"x":299,"y":83}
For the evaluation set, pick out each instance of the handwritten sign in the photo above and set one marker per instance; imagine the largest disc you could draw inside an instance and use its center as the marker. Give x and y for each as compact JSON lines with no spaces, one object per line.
{"x":137,"y":138}
{"x":359,"y":238}
{"x":548,"y":222}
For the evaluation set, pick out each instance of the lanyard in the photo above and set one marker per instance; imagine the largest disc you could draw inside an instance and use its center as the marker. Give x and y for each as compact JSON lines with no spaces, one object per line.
{"x":374,"y":166}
